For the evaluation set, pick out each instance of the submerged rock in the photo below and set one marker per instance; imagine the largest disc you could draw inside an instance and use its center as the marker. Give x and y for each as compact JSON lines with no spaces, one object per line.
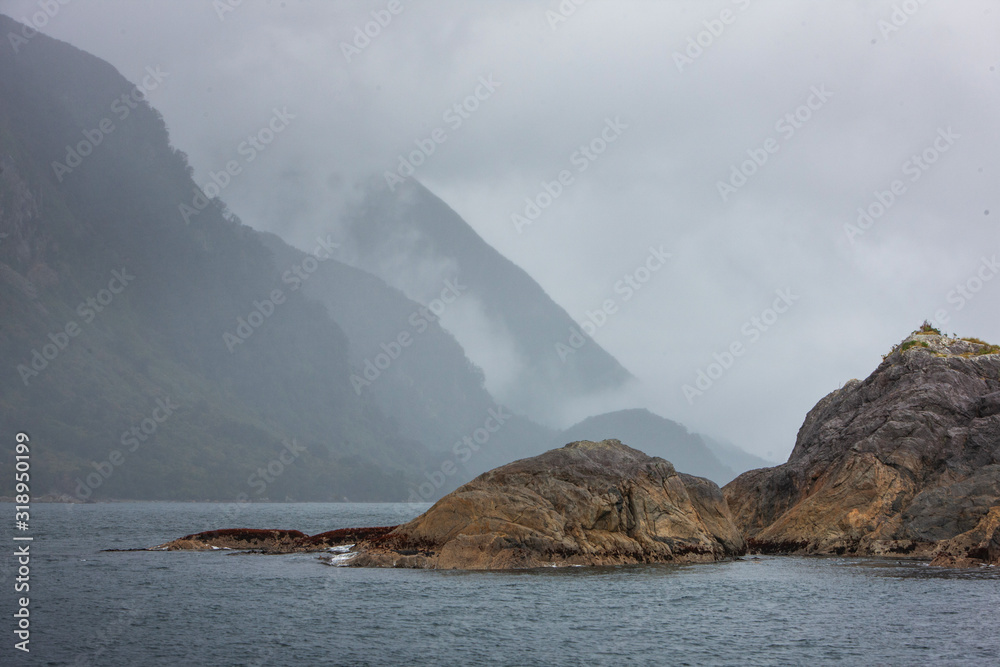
{"x":588,"y":503}
{"x":906,"y":463}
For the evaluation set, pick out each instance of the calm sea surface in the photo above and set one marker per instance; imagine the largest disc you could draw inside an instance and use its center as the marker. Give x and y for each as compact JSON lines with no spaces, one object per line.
{"x":219,"y":608}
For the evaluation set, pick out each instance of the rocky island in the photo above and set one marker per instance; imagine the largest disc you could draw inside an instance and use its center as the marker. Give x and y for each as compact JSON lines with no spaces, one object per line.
{"x":588,"y":503}
{"x":905,"y":463}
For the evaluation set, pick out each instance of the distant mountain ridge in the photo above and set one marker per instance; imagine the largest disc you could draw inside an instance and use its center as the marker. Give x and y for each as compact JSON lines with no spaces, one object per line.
{"x":690,"y":453}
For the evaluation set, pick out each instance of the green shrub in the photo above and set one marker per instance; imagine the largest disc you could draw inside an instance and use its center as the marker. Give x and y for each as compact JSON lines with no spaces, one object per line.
{"x":928,"y":328}
{"x":977,"y":341}
{"x":987,"y":348}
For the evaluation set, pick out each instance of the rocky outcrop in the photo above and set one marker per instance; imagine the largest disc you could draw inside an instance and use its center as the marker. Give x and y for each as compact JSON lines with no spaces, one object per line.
{"x":979,"y":545}
{"x":588,"y":503}
{"x":271,"y":541}
{"x":905,"y":463}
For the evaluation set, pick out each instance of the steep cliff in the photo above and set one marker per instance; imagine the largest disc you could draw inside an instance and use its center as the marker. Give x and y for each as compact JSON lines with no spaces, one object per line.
{"x":902,"y":463}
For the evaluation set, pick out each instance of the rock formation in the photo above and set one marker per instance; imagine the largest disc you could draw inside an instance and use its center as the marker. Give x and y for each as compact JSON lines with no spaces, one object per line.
{"x":905,"y":463}
{"x":588,"y":503}
{"x":272,"y":541}
{"x":981,"y":544}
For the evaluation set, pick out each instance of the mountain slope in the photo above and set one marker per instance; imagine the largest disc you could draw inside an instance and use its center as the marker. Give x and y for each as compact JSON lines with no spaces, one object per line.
{"x":508,"y":325}
{"x":427,"y":384}
{"x":116,"y":310}
{"x":267,"y":358}
{"x":734,"y":457}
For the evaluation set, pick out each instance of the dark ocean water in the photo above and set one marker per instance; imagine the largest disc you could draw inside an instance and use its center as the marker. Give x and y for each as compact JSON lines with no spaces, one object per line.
{"x":218,"y":608}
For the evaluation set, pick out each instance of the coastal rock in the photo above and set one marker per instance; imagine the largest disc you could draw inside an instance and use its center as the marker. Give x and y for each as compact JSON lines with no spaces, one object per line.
{"x":273,"y":541}
{"x":979,"y":545}
{"x":588,"y":503}
{"x":905,"y":463}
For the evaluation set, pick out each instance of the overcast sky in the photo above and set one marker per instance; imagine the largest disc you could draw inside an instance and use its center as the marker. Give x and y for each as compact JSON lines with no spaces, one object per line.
{"x":870,"y":89}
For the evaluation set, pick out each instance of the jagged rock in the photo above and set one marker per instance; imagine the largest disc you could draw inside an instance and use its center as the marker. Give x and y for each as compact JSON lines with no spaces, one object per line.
{"x":979,"y":545}
{"x":899,"y":464}
{"x":588,"y":503}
